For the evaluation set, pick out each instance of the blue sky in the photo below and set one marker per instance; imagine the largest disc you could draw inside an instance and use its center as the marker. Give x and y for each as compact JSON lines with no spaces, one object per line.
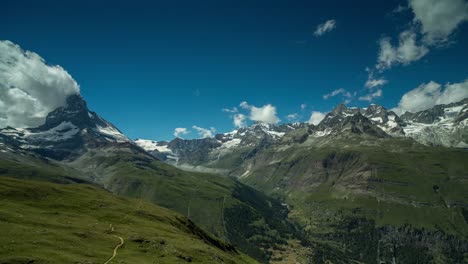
{"x":151,"y":67}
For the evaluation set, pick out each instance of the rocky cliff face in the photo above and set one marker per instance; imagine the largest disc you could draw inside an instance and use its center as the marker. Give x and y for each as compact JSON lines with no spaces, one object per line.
{"x":67,"y":132}
{"x":442,"y":125}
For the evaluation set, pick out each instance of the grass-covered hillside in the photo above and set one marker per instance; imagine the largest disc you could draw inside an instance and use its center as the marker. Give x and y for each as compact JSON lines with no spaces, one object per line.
{"x":365,"y":199}
{"x":43,"y":222}
{"x":225,"y":208}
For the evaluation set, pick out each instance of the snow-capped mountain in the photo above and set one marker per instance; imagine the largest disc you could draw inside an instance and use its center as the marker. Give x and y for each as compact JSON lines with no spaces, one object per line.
{"x":208,"y":150}
{"x":445,"y":125}
{"x":66,"y":132}
{"x":441,"y":125}
{"x":373,"y":120}
{"x":249,"y":136}
{"x":158,"y":149}
{"x":385,"y":119}
{"x":151,"y":145}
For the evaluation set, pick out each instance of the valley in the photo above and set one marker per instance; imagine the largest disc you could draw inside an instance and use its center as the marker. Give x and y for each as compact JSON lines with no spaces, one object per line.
{"x":344,"y":190}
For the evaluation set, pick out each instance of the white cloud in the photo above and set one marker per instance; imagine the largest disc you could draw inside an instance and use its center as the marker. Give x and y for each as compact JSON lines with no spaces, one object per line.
{"x":429,"y":94}
{"x":373,"y":82}
{"x":180,"y":131}
{"x":316,"y":117}
{"x":406,"y":52}
{"x":292,"y":117}
{"x":303,"y":107}
{"x":239,"y":120}
{"x":232,"y":110}
{"x":433,"y":23}
{"x":29,"y":88}
{"x":244,"y":105}
{"x":371,"y":96}
{"x":265,"y":114}
{"x":205,"y":133}
{"x":338,"y":92}
{"x":325,"y":27}
{"x":438,"y":18}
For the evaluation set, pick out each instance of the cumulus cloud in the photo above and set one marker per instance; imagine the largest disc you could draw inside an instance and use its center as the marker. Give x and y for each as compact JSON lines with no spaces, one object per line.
{"x":180,"y":131}
{"x":433,"y":23}
{"x":336,"y":92}
{"x":204,"y":132}
{"x":430,"y":94}
{"x":371,"y":96}
{"x":438,"y":19}
{"x":325,"y":27}
{"x":408,"y":50}
{"x":265,"y":114}
{"x":316,"y":117}
{"x":29,"y":88}
{"x":239,"y":120}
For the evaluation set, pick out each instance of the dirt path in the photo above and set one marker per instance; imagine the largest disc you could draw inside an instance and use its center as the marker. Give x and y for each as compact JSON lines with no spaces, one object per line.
{"x":122,"y":241}
{"x":115,"y":249}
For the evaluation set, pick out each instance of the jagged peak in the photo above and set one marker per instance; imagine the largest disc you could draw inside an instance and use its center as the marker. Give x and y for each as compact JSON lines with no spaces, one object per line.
{"x":339,"y":108}
{"x":76,"y":101}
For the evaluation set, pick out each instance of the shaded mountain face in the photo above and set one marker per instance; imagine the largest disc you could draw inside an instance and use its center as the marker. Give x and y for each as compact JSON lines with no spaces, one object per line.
{"x":373,"y":120}
{"x":67,"y":132}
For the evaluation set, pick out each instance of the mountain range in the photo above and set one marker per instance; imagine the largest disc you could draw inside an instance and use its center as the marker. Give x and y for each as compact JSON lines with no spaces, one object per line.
{"x":441,"y":125}
{"x":364,"y":185}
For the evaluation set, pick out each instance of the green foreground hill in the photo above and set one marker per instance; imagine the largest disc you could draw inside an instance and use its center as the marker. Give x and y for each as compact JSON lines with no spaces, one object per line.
{"x":221,"y":206}
{"x":42,"y":222}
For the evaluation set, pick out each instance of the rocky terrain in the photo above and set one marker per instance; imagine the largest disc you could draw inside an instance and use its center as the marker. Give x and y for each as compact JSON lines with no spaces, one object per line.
{"x":442,"y":125}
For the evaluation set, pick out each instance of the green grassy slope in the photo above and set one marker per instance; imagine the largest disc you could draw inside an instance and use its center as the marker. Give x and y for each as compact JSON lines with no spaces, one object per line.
{"x":42,"y":222}
{"x":353,"y":196}
{"x":212,"y":202}
{"x":223,"y":206}
{"x":32,"y":167}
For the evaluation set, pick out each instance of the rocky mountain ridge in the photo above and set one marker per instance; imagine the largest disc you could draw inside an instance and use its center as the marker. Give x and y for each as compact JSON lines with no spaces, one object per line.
{"x":442,"y":125}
